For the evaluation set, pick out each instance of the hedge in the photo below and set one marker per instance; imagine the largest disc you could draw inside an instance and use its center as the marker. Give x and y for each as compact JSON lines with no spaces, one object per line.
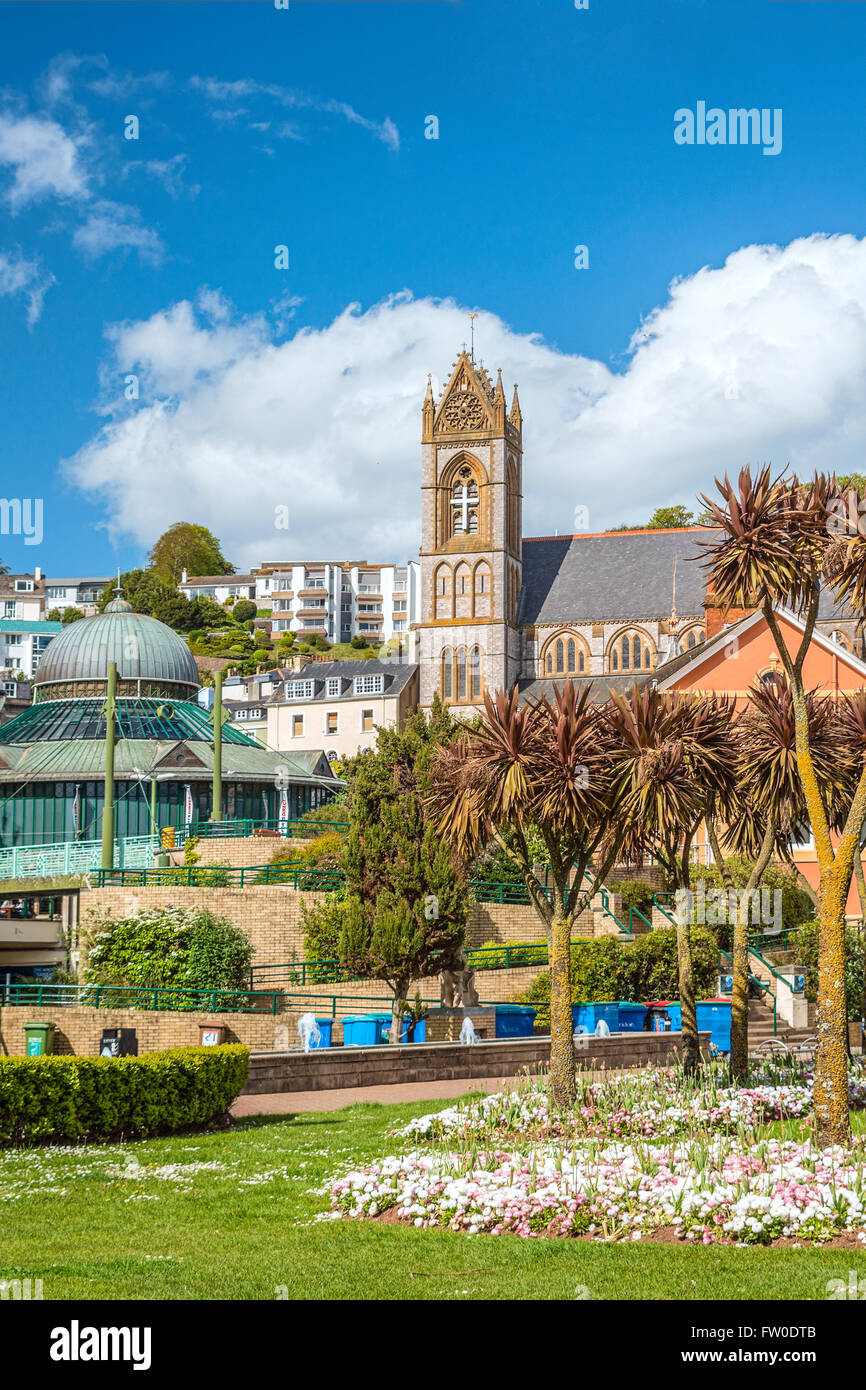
{"x":61,"y":1099}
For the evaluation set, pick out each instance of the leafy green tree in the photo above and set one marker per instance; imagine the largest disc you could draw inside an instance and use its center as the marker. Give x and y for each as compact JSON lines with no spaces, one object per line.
{"x":671,"y":518}
{"x":244,"y":609}
{"x":71,"y":615}
{"x":54,"y":615}
{"x":784,"y":543}
{"x":551,"y":766}
{"x":185,"y":546}
{"x":406,"y":901}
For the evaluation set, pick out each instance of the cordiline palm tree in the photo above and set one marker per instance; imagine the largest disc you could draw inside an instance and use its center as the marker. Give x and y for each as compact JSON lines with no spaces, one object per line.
{"x":676,"y":757}
{"x":546,"y":764}
{"x":769,"y":806}
{"x":781,"y":540}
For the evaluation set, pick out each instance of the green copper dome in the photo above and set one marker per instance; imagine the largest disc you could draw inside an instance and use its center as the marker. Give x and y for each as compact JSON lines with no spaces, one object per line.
{"x":151,"y":660}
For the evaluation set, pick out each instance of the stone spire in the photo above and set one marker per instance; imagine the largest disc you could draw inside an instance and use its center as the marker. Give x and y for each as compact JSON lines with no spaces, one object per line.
{"x":514,"y":414}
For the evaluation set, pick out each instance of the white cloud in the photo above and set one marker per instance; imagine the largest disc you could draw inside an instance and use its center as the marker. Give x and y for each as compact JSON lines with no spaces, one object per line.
{"x":227,"y":95}
{"x":44,"y":160}
{"x":115,"y":226}
{"x":21,"y":276}
{"x":761,"y":359}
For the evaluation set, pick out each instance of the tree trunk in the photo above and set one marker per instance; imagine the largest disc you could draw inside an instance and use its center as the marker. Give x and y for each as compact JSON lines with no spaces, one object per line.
{"x":740,"y":996}
{"x":691,"y":1045}
{"x":397,"y":1015}
{"x":562,"y":1082}
{"x":832,"y":1119}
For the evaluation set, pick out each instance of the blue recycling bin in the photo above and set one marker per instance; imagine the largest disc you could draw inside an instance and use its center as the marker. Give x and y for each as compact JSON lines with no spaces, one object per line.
{"x":362,"y":1030}
{"x":714,"y":1017}
{"x":420,"y":1033}
{"x":589,"y":1015}
{"x":631,"y":1016}
{"x":326,"y":1028}
{"x":514,"y":1021}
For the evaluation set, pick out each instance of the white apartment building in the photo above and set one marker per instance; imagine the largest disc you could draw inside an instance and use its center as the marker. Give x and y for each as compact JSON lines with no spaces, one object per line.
{"x":82,"y":594}
{"x":340,"y":601}
{"x":336,"y":705}
{"x":219,"y":587}
{"x":24,"y":633}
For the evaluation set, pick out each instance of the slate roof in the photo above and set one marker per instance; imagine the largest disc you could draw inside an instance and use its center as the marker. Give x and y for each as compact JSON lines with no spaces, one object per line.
{"x":618,"y":574}
{"x":400,"y":672}
{"x":599,"y":686}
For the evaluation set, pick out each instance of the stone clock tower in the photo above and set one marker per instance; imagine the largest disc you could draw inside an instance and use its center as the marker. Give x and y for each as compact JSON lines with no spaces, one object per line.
{"x":471,"y":527}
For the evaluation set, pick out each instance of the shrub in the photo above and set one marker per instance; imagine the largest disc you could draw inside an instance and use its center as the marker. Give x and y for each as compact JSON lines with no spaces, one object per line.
{"x":804,"y":942}
{"x":168,"y":948}
{"x":519,"y":953}
{"x":634,"y":892}
{"x":63,"y":1099}
{"x":640,"y":970}
{"x":243,"y":610}
{"x":322,"y":924}
{"x":358,"y":642}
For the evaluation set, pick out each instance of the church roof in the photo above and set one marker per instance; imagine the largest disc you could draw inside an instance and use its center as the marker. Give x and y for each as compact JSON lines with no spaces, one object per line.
{"x":613,"y":575}
{"x":599,"y":687}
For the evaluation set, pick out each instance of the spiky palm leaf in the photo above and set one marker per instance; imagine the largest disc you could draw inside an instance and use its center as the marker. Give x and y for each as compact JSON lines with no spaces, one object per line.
{"x":774,"y":539}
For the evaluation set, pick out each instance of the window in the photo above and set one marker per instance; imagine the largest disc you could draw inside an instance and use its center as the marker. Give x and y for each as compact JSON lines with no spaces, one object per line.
{"x":399,"y":627}
{"x":9,"y":609}
{"x":332,"y":720}
{"x":399,"y":605}
{"x":333,"y":686}
{"x":461,"y":674}
{"x":368,"y":607}
{"x":694,"y":637}
{"x":464,"y":505}
{"x":564,"y":655}
{"x":369,"y":685}
{"x":14,"y":639}
{"x":630,"y":652}
{"x":297,"y":726}
{"x":366,"y":721}
{"x":24,"y":586}
{"x":300,"y":690}
{"x":839,"y":638}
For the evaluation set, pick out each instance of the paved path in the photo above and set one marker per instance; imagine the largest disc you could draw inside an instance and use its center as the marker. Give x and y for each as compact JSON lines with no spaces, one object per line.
{"x":293,"y":1102}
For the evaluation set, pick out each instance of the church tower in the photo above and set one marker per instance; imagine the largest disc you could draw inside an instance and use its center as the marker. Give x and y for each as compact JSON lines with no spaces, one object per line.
{"x":471,"y":492}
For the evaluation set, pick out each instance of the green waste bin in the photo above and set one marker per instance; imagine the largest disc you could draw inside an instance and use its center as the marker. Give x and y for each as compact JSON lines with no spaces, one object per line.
{"x":38,"y":1039}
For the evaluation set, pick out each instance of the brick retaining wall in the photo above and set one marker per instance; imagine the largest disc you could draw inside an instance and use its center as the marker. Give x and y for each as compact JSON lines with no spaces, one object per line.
{"x":338,"y":1068}
{"x":78,"y":1030}
{"x":270,"y":914}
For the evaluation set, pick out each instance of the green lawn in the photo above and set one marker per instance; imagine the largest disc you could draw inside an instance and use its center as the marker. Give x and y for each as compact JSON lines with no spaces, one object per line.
{"x":244,"y":1229}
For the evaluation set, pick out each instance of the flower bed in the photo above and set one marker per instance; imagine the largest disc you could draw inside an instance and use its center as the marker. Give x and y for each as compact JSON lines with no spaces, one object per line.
{"x":649,"y":1105}
{"x":715,"y":1192}
{"x":651,"y":1155}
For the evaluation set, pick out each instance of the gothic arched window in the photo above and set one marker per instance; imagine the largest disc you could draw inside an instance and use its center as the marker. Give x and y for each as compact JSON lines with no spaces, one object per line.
{"x":564,"y":654}
{"x":464,"y":504}
{"x":462,"y":674}
{"x":631,"y":651}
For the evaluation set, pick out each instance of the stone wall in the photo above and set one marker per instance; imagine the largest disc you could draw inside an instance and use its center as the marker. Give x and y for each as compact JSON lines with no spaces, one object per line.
{"x":336,"y":1069}
{"x":78,"y":1030}
{"x":270,"y":913}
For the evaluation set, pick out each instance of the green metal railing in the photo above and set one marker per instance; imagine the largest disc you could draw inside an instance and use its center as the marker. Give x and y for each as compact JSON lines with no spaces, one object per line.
{"x":223,"y":876}
{"x":762,"y":984}
{"x":311,"y":972}
{"x":242,"y":829}
{"x":161,"y":1000}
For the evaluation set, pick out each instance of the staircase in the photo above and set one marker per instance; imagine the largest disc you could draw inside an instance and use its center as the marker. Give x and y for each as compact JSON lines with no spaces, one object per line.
{"x":761,"y":1027}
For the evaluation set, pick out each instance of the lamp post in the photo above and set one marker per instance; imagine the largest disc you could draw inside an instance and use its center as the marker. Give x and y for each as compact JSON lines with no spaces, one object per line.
{"x":217,"y":799}
{"x":108,"y":801}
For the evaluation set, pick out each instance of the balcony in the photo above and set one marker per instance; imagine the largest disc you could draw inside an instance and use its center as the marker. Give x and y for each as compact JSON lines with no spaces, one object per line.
{"x":307,"y":610}
{"x":312,"y":591}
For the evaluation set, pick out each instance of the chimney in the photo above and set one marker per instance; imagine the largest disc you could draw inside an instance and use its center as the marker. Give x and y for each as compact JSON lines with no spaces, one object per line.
{"x":183,"y":576}
{"x":37,"y":573}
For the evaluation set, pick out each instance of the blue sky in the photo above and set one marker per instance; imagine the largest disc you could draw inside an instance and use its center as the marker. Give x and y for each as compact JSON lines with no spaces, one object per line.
{"x":307,"y":127}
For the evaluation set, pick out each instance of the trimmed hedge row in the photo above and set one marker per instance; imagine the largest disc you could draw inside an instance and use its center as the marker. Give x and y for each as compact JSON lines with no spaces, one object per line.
{"x":58,"y":1099}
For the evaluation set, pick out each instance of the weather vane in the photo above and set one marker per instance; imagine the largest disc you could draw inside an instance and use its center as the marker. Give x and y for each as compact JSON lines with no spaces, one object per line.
{"x":472,"y":318}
